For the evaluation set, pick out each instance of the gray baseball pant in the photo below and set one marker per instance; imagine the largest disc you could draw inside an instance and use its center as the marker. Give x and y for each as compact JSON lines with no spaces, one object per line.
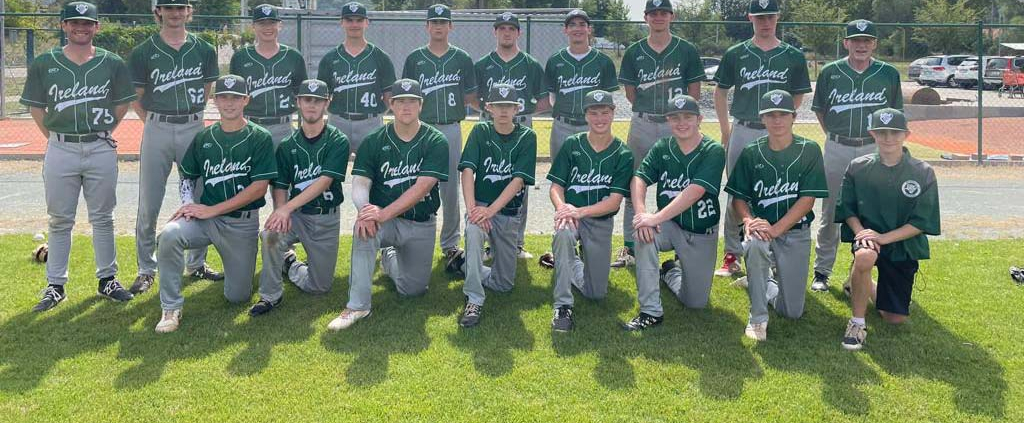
{"x":407,"y":259}
{"x":356,"y":130}
{"x":642,"y":136}
{"x":162,"y":144}
{"x":450,"y":193}
{"x":524,"y":209}
{"x":690,"y":281}
{"x":70,"y":168}
{"x":559,"y":132}
{"x":318,"y":234}
{"x":837,"y":159}
{"x":589,"y":274}
{"x":236,"y":239}
{"x":279,"y":132}
{"x":741,"y":137}
{"x":501,"y":275}
{"x":792,"y":255}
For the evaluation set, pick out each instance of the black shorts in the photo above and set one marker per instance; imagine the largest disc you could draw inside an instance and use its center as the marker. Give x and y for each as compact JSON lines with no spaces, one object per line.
{"x":895,"y":284}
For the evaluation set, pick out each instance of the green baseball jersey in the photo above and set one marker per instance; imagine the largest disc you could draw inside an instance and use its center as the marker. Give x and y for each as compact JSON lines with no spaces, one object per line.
{"x":229,"y":162}
{"x":523,"y":72}
{"x":588,"y":176}
{"x":272,"y":82}
{"x":570,"y":80}
{"x":77,"y":99}
{"x":660,"y":76}
{"x":444,"y":80}
{"x":754,"y":72}
{"x":772,"y":181}
{"x":301,"y":161}
{"x":393,"y":166}
{"x":885,"y":198}
{"x":673,"y":171}
{"x":174,"y":80}
{"x":357,"y":83}
{"x":847,"y":97}
{"x":497,"y":158}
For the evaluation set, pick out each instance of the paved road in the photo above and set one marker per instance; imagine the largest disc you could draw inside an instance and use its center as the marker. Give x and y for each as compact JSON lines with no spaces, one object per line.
{"x":976,"y":203}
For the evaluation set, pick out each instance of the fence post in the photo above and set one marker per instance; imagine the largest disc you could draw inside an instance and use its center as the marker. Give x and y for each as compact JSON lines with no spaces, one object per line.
{"x":528,"y":34}
{"x":30,"y":46}
{"x":3,"y":70}
{"x":298,"y":32}
{"x":981,"y":87}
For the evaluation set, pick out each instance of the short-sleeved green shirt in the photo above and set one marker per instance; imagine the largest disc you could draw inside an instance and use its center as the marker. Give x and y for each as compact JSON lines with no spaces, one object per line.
{"x":445,"y":81}
{"x":523,"y":72}
{"x":77,"y":99}
{"x":174,"y":80}
{"x":754,"y":72}
{"x":357,"y":83}
{"x":847,"y":98}
{"x":772,"y":181}
{"x":570,"y":80}
{"x":673,"y":171}
{"x":301,"y":161}
{"x":588,"y":176}
{"x":885,"y":198}
{"x":228,"y":162}
{"x":393,"y":166}
{"x":660,"y":76}
{"x":272,"y":82}
{"x":497,"y":158}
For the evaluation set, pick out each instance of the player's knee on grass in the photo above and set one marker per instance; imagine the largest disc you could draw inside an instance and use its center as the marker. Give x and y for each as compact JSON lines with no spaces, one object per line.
{"x":269,"y":238}
{"x":759,"y":247}
{"x":893,"y":318}
{"x":170,"y":236}
{"x":864,"y":260}
{"x":236,"y":296}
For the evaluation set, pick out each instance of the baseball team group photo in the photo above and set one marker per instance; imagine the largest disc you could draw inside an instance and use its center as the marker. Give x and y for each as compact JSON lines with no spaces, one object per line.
{"x":566,"y":217}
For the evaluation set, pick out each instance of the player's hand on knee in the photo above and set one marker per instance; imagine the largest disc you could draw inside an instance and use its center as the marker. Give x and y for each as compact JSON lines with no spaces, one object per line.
{"x":199,"y":211}
{"x":646,"y":220}
{"x":645,"y":234}
{"x":867,"y":234}
{"x":180,"y":214}
{"x":279,"y":221}
{"x":567,"y":211}
{"x":565,"y":223}
{"x":485,"y":225}
{"x":369,"y":212}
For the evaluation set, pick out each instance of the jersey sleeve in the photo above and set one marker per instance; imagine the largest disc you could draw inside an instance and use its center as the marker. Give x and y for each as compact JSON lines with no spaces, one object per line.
{"x":650,"y":165}
{"x":739,"y":184}
{"x":559,"y":172}
{"x":693,"y":68}
{"x":235,"y":67}
{"x":800,"y":83}
{"x":301,"y":74}
{"x":525,"y":165}
{"x":812,"y":181}
{"x":925,"y":216}
{"x":409,"y":68}
{"x":478,"y":73}
{"x":471,"y":152}
{"x":323,"y":71}
{"x":609,"y":82}
{"x":284,"y":177}
{"x":709,"y":173}
{"x":190,"y":167}
{"x":896,"y":97}
{"x":550,"y":75}
{"x":820,"y":102}
{"x":33,"y":94}
{"x":121,"y":93}
{"x":435,"y":158}
{"x":386,"y":69}
{"x":538,"y":81}
{"x":627,"y":69}
{"x":623,"y":171}
{"x":846,"y":204}
{"x":210,"y":69}
{"x":469,"y":82}
{"x":725,"y":76}
{"x":264,"y":165}
{"x":137,"y":63}
{"x":366,"y":157}
{"x":336,"y":162}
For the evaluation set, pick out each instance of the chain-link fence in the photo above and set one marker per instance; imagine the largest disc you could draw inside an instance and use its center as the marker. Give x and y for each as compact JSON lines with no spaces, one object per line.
{"x":953,"y":116}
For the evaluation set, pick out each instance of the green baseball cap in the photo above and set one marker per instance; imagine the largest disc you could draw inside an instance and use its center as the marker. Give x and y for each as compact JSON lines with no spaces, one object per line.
{"x":406,"y":88}
{"x":502,"y":94}
{"x":653,"y":5}
{"x":231,"y":84}
{"x":683,"y":103}
{"x":507,"y":18}
{"x":576,"y":13}
{"x":265,"y":12}
{"x":776,"y":101}
{"x":79,"y":10}
{"x":861,"y":28}
{"x":763,"y":7}
{"x":891,"y":119}
{"x":314,"y":88}
{"x":598,"y":98}
{"x":354,"y":9}
{"x":173,"y":3}
{"x":439,"y":12}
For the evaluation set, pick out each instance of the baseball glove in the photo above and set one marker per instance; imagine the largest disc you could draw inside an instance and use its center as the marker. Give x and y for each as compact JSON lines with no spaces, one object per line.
{"x":1017,"y":274}
{"x":41,"y":253}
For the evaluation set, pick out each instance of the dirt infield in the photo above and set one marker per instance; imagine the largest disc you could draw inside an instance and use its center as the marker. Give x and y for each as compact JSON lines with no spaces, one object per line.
{"x":21,"y":137}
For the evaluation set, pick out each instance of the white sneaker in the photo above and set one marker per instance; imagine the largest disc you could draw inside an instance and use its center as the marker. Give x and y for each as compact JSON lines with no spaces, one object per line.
{"x":169,"y":321}
{"x":740,"y":282}
{"x":523,"y":254}
{"x":772,"y":292}
{"x":757,"y":331}
{"x":347,"y":318}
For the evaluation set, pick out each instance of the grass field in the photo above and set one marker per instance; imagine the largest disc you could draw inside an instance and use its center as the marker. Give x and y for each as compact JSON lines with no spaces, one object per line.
{"x":959,"y":359}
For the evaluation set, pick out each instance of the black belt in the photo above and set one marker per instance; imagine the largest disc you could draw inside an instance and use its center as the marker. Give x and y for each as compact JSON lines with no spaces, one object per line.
{"x":82,"y":138}
{"x":571,"y":121}
{"x":850,"y":141}
{"x":650,"y":117}
{"x":318,"y":210}
{"x":357,"y":116}
{"x":708,"y":231}
{"x":751,"y":124}
{"x":241,"y":214}
{"x":509,"y":212}
{"x":273,"y":120}
{"x":454,"y":122}
{"x":173,"y":118}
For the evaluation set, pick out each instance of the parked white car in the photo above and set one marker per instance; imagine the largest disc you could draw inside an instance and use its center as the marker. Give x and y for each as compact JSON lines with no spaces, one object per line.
{"x":967,"y":72}
{"x":941,"y":70}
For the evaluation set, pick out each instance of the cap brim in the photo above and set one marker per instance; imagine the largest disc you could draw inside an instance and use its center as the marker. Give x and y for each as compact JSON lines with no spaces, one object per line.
{"x":438,"y":19}
{"x":314,"y":96}
{"x":612,"y":105}
{"x":763,"y":13}
{"x":497,"y":24}
{"x":861,"y":36}
{"x":502,"y":102}
{"x":354,"y":15}
{"x":407,"y":96}
{"x":689,"y":112}
{"x":776,"y":109}
{"x":887,"y":128}
{"x":577,"y":17}
{"x":667,"y":9}
{"x":231,"y":92}
{"x":81,"y":18}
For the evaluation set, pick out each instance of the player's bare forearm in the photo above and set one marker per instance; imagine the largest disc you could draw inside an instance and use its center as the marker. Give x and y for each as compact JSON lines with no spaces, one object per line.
{"x":209,"y":92}
{"x":507,"y":194}
{"x":280,"y":197}
{"x":254,"y":191}
{"x":742,"y":209}
{"x":722,"y":111}
{"x":798,"y":99}
{"x":468,"y":177}
{"x":360,"y":191}
{"x":603,"y":207}
{"x":137,"y":104}
{"x":311,"y":192}
{"x":630,"y":93}
{"x":409,"y":198}
{"x":795,"y":214}
{"x":854,"y":223}
{"x":119,"y":111}
{"x":901,"y":233}
{"x":638,"y":194}
{"x":693,"y":90}
{"x":543,"y":105}
{"x":38,"y":116}
{"x":557,"y":195}
{"x":686,"y":199}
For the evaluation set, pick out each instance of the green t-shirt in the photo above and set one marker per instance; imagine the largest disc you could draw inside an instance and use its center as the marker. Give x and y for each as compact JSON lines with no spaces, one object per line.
{"x":496,"y":159}
{"x":357,"y":83}
{"x":393,"y":166}
{"x":754,"y":72}
{"x":570,"y":80}
{"x":229,"y":162}
{"x":885,"y":198}
{"x":301,"y":161}
{"x":77,"y":99}
{"x":847,"y":97}
{"x":771,"y":181}
{"x":660,"y":76}
{"x":445,"y":81}
{"x":588,"y":176}
{"x":523,"y":72}
{"x":272,"y":82}
{"x":673,"y":171}
{"x":174,"y":80}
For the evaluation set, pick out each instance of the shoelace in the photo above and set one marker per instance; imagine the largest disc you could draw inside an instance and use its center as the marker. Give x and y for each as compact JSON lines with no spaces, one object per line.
{"x":111,"y":286}
{"x":51,"y":294}
{"x":472,"y":309}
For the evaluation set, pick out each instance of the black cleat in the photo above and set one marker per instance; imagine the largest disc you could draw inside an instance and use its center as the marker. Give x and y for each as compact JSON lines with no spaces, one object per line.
{"x":471,"y":315}
{"x":563,"y":320}
{"x":113,"y":290}
{"x":547,"y":260}
{"x":142,"y":284}
{"x":264,"y":307}
{"x":289,"y":259}
{"x":820,"y":283}
{"x":666,"y":266}
{"x":52,"y":295}
{"x":642,"y":321}
{"x":207,"y":273}
{"x":454,"y":259}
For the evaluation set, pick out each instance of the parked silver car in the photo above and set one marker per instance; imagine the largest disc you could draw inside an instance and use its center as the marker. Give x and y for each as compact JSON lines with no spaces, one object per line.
{"x":996,"y":65}
{"x":967,"y":72}
{"x":914,"y":70}
{"x":941,"y":70}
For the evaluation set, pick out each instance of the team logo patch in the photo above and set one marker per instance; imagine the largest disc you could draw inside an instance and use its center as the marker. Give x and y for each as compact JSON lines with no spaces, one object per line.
{"x":81,"y":8}
{"x":207,"y":145}
{"x":353,"y":7}
{"x":406,"y":85}
{"x":598,"y":96}
{"x":247,"y":65}
{"x":228,"y":83}
{"x":294,"y":151}
{"x":776,"y":98}
{"x":680,"y":103}
{"x":665,"y":157}
{"x":507,"y":16}
{"x":503,"y":91}
{"x":885,"y":117}
{"x":862,"y":25}
{"x":438,"y":10}
{"x":154,"y":57}
{"x":763,"y":4}
{"x":575,"y":153}
{"x":386,"y":148}
{"x":53,"y":70}
{"x":657,"y":3}
{"x":312,"y":87}
{"x":266,"y":10}
{"x":911,"y":188}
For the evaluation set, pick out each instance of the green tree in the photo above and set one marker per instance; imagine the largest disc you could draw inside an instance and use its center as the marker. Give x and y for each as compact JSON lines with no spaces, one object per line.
{"x":709,"y":39}
{"x":818,"y":39}
{"x":618,"y":32}
{"x":951,"y":40}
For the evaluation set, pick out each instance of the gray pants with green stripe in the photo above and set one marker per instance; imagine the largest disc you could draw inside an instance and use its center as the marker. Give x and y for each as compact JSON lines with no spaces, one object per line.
{"x":837,"y":159}
{"x":589,"y":274}
{"x":642,"y":136}
{"x":451,"y":217}
{"x":690,"y":281}
{"x":741,"y":137}
{"x":792,"y":254}
{"x":501,"y":275}
{"x":69,"y":169}
{"x":559,"y":132}
{"x":356,"y":130}
{"x":318,"y":234}
{"x":407,"y":259}
{"x":236,"y":239}
{"x":163,"y":144}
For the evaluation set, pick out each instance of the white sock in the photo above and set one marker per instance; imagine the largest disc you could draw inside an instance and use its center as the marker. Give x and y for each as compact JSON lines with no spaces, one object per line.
{"x":859,"y":321}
